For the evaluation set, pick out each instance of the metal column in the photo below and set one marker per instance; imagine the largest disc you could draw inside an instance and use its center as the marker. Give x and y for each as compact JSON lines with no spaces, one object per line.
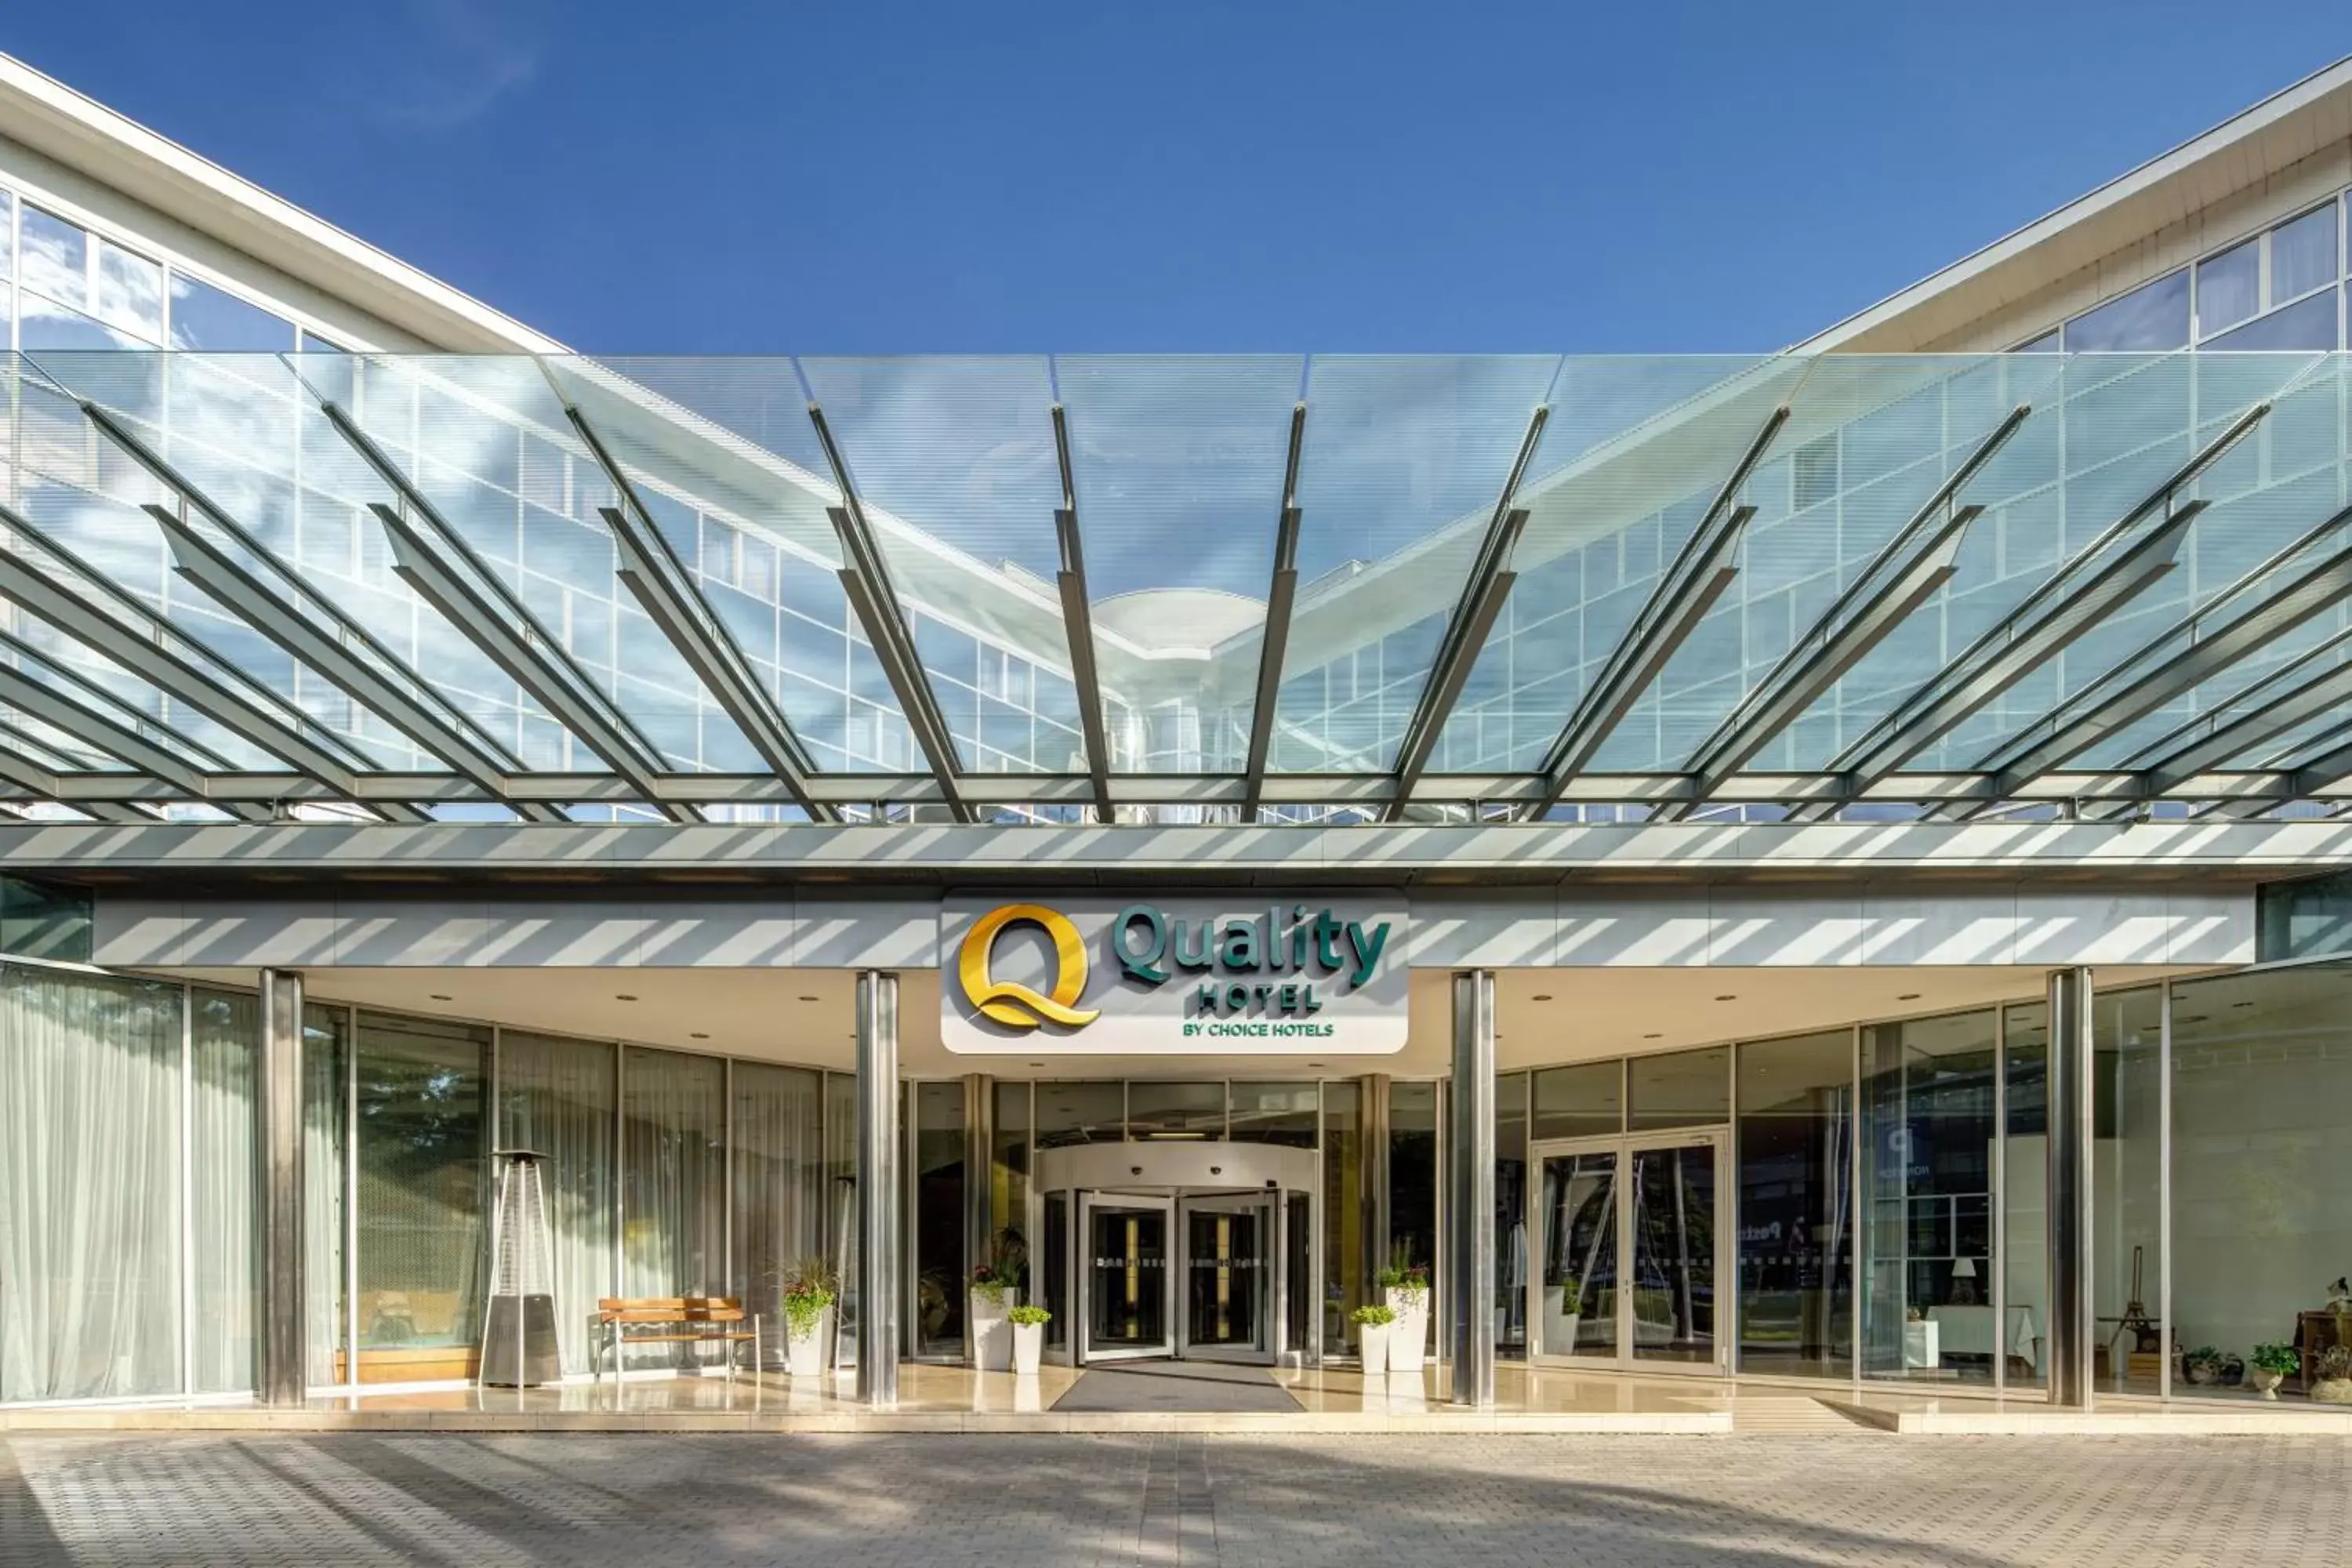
{"x":877,"y":1189}
{"x":282,"y":1363}
{"x":980,"y":1222}
{"x":1470,"y":1240}
{"x":2073,"y":1338}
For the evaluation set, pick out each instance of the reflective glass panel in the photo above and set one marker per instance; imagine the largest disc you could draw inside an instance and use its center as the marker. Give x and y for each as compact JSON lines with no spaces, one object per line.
{"x":555,"y":1098}
{"x":2229,"y":288}
{"x":1080,"y":1113}
{"x":2127,"y":1185}
{"x":1580,"y":1101}
{"x":1673,"y":1253}
{"x":2152,"y":316}
{"x":2303,"y":255}
{"x":1190,"y":1111}
{"x":1681,"y":1089}
{"x":1274,"y":1113}
{"x":1796,"y":1206}
{"x":420,"y":1179}
{"x":1577,"y":1310}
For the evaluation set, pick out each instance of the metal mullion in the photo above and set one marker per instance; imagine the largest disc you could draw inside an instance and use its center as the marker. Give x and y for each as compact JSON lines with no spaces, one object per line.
{"x":187,"y":1198}
{"x":1998,"y":1227}
{"x":352,"y":1198}
{"x":1854,"y":1208}
{"x":727,"y":1176}
{"x":2163,"y":1190}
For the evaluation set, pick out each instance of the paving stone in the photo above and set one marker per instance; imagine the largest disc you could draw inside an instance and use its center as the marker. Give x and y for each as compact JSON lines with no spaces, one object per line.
{"x":352,"y":1499}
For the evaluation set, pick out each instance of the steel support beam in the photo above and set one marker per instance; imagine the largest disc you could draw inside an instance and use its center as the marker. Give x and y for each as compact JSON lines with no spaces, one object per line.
{"x":1687,"y":590}
{"x":81,"y":710}
{"x":2278,"y":702}
{"x":877,"y":1189}
{"x":1281,"y":598}
{"x":1876,"y":602}
{"x":1474,"y":613}
{"x":866,"y":578}
{"x":282,"y":1309}
{"x":2269,"y":609}
{"x":1471,"y":1263}
{"x":650,"y":569}
{"x":126,"y":633}
{"x":2070,"y":1145}
{"x":1078,"y":621}
{"x":25,"y":770}
{"x":433,"y":558}
{"x":2067,"y":604}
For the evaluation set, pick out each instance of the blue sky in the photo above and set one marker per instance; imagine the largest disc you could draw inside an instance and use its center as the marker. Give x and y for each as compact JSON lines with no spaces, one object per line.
{"x":884,"y":178}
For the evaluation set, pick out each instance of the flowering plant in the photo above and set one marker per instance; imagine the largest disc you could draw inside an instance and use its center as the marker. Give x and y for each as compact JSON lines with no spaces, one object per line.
{"x":807,"y":1289}
{"x":1007,"y":1257}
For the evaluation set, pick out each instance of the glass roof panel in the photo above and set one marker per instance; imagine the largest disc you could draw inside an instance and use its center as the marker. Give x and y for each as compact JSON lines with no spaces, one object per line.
{"x":1178,"y":465}
{"x":740,"y":491}
{"x":1404,"y":461}
{"x":953,"y":462}
{"x":1633,"y":452}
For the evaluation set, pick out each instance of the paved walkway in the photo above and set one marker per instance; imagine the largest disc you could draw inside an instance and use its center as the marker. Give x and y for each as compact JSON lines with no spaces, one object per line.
{"x":349,"y":1499}
{"x":1148,"y":1385}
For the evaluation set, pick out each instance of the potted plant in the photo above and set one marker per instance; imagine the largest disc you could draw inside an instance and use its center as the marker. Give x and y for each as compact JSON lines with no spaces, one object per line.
{"x":2332,"y":1380}
{"x":1564,"y":1305}
{"x":1404,"y":1287}
{"x":1028,"y":1337}
{"x":1372,"y":1325}
{"x":2202,"y":1366}
{"x":996,"y":1289}
{"x":2271,"y":1365}
{"x":807,"y":1293}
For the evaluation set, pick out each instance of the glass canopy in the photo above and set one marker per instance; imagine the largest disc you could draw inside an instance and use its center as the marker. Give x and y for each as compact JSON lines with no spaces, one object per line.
{"x":1144,"y":589}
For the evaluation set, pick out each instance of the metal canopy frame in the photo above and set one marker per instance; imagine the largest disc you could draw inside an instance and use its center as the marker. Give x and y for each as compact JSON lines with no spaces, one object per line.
{"x":1077,"y":619}
{"x":436,"y":561}
{"x":2082,"y":592}
{"x":1473,"y":616}
{"x":866,"y":580}
{"x":1281,"y":598}
{"x":1858,"y":619}
{"x":124,"y":756}
{"x":2265,"y":608}
{"x":1687,"y":590}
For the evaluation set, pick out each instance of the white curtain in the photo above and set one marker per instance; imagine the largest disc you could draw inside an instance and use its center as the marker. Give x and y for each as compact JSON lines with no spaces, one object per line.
{"x":325,"y":1110}
{"x":778,"y":1132}
{"x":673,"y":1208}
{"x":89,"y":1186}
{"x":225,"y":1051}
{"x":555,"y":1097}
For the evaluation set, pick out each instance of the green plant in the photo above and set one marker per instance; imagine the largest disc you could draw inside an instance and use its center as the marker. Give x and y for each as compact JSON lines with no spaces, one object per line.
{"x":1008,"y":1255}
{"x":1024,"y":1315}
{"x":1403,"y":1274}
{"x":2280,"y":1359}
{"x":2209,"y":1355}
{"x":1571,"y":1297}
{"x":2334,"y":1363}
{"x":807,"y":1285}
{"x":1372,"y":1317}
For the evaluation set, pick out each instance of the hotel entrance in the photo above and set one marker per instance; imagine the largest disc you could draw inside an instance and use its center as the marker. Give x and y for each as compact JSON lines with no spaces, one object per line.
{"x":1215,"y":1260}
{"x":1634,"y":1236}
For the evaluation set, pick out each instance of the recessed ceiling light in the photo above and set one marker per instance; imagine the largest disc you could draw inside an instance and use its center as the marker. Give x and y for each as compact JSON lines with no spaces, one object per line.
{"x":437,"y":996}
{"x":1908,"y":996}
{"x":1653,"y":1037}
{"x":808,"y":998}
{"x":1314,"y":1064}
{"x":1542,"y":996}
{"x":1729,"y":996}
{"x":623,"y":996}
{"x":698,"y":1035}
{"x":1036,"y":1064}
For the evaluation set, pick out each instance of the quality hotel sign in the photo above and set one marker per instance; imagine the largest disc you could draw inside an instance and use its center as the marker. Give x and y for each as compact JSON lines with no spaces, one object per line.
{"x":1098,"y":977}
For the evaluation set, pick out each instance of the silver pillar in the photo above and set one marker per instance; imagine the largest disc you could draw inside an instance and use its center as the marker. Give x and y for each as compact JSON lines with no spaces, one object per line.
{"x":1470,"y":1250}
{"x":980,"y":1222}
{"x":282,"y":1358}
{"x":2074,"y":1342}
{"x":877,"y":1189}
{"x":1376,"y":1183}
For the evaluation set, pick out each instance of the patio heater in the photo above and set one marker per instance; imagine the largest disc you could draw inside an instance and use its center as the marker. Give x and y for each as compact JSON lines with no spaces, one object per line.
{"x":518,"y":1344}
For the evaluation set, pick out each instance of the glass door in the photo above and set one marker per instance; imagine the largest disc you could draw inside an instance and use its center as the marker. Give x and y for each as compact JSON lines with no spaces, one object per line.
{"x":1230,"y":1279}
{"x":1632,"y":1237}
{"x":1674,"y":1243}
{"x":1576,"y":1225}
{"x":1125,"y":1286}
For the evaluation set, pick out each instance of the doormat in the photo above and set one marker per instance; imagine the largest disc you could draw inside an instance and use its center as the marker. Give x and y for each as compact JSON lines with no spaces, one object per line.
{"x":1159,"y":1386}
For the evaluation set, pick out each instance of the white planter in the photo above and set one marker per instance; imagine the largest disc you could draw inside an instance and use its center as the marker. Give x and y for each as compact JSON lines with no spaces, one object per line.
{"x":1028,"y":1348}
{"x":1559,"y":1323}
{"x":2265,"y":1383}
{"x":1409,"y":1335}
{"x":991,"y":1334}
{"x":804,"y":1353}
{"x":1373,"y":1339}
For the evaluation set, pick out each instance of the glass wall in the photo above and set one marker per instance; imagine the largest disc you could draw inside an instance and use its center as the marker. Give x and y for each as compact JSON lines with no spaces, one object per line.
{"x":1511,"y":1215}
{"x":1008,"y":1175}
{"x":1346,"y":1266}
{"x":418,"y":1096}
{"x":2126,"y":1187}
{"x":555,"y":1098}
{"x":935,"y":1128}
{"x":673,"y":1173}
{"x":326,"y":1190}
{"x":776,"y":1131}
{"x":91,"y":1258}
{"x":2024,"y":1188}
{"x":1927,"y":1146}
{"x":224,"y":1081}
{"x":1795,"y":1150}
{"x":2262,"y":1117}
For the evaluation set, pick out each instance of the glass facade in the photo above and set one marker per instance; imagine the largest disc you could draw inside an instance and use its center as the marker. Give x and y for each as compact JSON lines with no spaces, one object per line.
{"x":1795,"y":1155}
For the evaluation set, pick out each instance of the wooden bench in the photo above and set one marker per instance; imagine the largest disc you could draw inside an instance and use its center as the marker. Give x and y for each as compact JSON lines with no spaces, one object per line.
{"x":678,"y":1319}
